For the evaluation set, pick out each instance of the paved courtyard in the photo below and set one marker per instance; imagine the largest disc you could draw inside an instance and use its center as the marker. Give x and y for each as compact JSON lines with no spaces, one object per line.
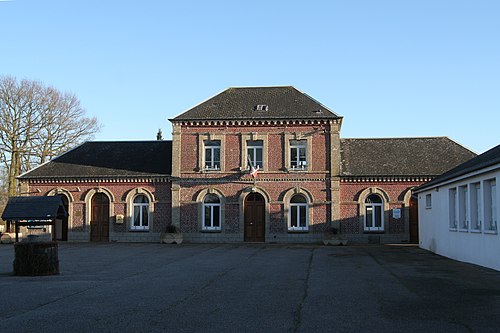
{"x":248,"y":288}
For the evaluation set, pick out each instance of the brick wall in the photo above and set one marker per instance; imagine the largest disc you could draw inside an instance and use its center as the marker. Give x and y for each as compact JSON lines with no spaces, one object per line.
{"x":77,"y":191}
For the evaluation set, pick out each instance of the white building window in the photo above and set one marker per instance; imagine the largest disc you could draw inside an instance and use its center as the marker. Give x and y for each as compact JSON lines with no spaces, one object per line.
{"x":462,"y":208}
{"x":453,"y":208}
{"x":298,"y":213}
{"x":211,"y":213}
{"x":212,"y":154}
{"x":475,"y":207}
{"x":140,"y":213}
{"x":374,"y":217}
{"x":255,"y":154}
{"x":298,"y":154}
{"x":490,"y":205}
{"x":428,"y":201}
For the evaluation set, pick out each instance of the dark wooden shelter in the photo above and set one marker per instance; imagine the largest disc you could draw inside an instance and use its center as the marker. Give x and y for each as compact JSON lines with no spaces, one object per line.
{"x":34,"y":211}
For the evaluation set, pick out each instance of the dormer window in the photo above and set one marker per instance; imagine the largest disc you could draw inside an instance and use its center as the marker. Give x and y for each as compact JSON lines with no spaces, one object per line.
{"x":261,"y":107}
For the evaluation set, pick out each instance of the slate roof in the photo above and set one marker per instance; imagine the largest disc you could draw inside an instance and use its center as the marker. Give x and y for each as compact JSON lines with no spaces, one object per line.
{"x":108,"y":159}
{"x":240,"y":103}
{"x":486,"y":159}
{"x":429,"y":156}
{"x":33,"y":208}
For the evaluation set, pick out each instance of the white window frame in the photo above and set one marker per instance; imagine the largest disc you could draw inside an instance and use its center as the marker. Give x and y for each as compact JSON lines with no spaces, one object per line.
{"x":475,"y":207}
{"x":300,"y":165}
{"x":490,"y":206}
{"x":373,"y":207}
{"x":453,"y":208}
{"x":209,"y":145}
{"x":141,"y":205}
{"x":254,"y":148}
{"x":463,"y":211}
{"x":211,"y":206}
{"x":428,"y":201}
{"x":298,"y":206}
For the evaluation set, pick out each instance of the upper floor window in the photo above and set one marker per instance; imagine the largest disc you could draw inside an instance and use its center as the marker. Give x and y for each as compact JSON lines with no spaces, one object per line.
{"x":211,"y":212}
{"x":212,"y":154}
{"x":374,"y":218}
{"x":298,"y":213}
{"x":255,"y":154}
{"x":140,"y":213}
{"x":298,"y":154}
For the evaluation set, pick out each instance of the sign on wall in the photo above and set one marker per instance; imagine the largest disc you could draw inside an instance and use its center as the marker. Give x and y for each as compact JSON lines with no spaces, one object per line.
{"x":396,"y":213}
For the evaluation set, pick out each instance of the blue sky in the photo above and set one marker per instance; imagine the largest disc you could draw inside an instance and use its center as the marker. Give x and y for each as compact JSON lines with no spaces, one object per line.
{"x":391,"y":68}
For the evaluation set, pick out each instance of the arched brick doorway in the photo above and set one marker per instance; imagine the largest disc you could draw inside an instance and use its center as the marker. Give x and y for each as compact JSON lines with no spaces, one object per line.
{"x":255,"y":221}
{"x":99,"y":224}
{"x":62,"y":225}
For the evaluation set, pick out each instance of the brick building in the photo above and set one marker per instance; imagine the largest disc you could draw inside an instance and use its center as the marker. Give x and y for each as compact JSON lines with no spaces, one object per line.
{"x":262,"y":164}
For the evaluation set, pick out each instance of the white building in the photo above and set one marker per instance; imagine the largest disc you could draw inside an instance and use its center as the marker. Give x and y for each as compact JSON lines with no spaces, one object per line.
{"x":458,"y":212}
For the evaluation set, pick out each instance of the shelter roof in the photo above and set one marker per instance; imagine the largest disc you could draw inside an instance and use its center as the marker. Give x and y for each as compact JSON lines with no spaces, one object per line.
{"x":34,"y":208}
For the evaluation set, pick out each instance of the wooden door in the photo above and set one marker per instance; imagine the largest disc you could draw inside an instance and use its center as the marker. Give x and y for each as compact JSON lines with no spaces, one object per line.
{"x":255,"y":225}
{"x":413,"y":220}
{"x":99,"y":224}
{"x":62,"y":225}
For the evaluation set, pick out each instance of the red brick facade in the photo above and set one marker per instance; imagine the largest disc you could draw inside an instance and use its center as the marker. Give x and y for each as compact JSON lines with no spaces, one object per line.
{"x":120,"y":195}
{"x":309,"y":183}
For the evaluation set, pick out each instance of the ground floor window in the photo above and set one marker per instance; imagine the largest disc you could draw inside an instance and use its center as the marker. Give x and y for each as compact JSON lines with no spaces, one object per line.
{"x":374,"y":217}
{"x":140,"y":213}
{"x":211,"y":213}
{"x":298,"y":213}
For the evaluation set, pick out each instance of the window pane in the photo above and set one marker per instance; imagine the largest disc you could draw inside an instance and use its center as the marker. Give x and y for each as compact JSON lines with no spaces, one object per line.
{"x":373,"y":199}
{"x":208,"y":223}
{"x":298,"y":199}
{"x":302,"y":152}
{"x":217,"y":156}
{"x":145,"y":215}
{"x":258,"y":157}
{"x":369,"y":216}
{"x":137,"y":215}
{"x":250,"y":154}
{"x":293,"y":157}
{"x":211,"y":198}
{"x":140,"y":199}
{"x":293,"y":222}
{"x":208,"y":156}
{"x":216,"y":216}
{"x":303,"y":214}
{"x":378,"y":216}
{"x":493,"y":204}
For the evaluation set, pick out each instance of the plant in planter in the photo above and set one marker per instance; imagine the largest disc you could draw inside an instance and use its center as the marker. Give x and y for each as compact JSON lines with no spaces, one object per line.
{"x":333,"y":237}
{"x":172,"y":236}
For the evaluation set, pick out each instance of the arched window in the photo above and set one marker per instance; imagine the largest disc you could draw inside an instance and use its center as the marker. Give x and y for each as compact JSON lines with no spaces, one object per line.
{"x":374,"y":213}
{"x":211,"y":212}
{"x":298,"y":213}
{"x":140,"y":213}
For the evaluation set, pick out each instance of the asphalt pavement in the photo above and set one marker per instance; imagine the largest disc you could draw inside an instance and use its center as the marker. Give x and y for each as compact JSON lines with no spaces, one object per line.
{"x":117,"y":287}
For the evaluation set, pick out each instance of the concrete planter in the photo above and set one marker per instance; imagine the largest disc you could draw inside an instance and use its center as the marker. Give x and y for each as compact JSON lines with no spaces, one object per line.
{"x":171,"y":238}
{"x":335,"y":241}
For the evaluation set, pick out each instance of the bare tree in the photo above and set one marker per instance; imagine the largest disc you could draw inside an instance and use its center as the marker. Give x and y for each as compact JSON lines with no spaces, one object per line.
{"x":38,"y":122}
